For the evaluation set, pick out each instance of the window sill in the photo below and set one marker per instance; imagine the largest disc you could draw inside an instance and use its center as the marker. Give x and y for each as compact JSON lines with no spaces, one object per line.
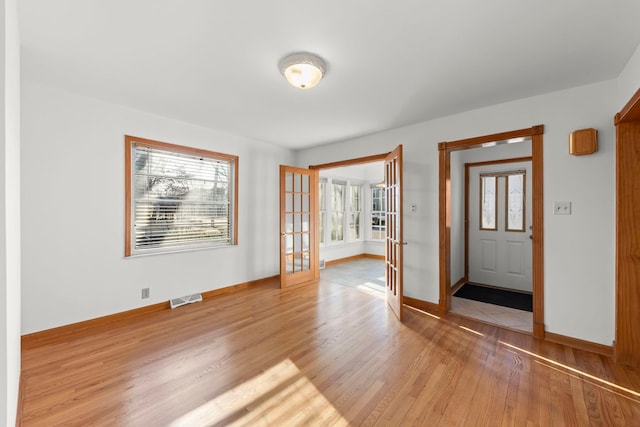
{"x":144,"y":253}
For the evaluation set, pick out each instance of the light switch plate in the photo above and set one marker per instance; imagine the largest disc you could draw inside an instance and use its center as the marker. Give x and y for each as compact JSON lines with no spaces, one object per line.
{"x":562,"y":208}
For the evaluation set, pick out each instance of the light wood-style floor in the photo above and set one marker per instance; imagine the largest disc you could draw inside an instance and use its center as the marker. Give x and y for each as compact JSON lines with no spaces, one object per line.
{"x":323,"y":354}
{"x":368,"y":274}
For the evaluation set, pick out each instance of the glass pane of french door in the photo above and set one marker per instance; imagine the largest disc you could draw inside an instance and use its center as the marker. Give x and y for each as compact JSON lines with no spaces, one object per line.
{"x":298,"y":192}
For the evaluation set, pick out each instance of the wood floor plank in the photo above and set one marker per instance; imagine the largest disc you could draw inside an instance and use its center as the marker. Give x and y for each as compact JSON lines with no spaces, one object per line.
{"x":322,"y":354}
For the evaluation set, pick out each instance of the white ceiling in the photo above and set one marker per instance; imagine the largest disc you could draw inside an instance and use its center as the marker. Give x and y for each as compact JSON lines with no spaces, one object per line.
{"x":391,"y":63}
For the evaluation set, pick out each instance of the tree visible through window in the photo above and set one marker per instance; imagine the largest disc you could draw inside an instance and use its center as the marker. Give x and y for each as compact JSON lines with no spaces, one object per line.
{"x":178,"y":197}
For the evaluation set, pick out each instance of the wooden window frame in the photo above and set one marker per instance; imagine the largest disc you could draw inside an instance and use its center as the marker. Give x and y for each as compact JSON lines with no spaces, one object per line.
{"x":130,"y":142}
{"x":506,"y":175}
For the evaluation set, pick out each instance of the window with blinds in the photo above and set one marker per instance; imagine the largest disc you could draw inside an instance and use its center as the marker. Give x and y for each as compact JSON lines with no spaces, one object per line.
{"x":178,"y":198}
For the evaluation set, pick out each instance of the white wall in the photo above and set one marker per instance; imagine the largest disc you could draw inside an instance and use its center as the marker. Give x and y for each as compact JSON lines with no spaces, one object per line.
{"x":73,"y":211}
{"x":9,"y":212}
{"x":579,"y":249}
{"x":629,"y":80}
{"x":457,"y":254}
{"x":365,"y":172}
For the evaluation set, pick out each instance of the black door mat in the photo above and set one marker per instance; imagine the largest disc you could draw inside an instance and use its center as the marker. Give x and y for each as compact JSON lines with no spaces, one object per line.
{"x":501,"y":297}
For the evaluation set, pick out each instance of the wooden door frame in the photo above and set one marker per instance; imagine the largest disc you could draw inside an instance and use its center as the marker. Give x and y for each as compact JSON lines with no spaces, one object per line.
{"x":467,"y":166}
{"x":627,"y":338}
{"x":444,"y":160}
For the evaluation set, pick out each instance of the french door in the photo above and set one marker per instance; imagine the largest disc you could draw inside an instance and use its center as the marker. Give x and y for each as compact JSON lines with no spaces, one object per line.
{"x":299,"y":261}
{"x":394,"y":242}
{"x":299,"y":244}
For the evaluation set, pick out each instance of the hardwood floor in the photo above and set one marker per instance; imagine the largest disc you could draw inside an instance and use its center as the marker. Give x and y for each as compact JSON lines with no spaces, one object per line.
{"x":322,"y":354}
{"x":368,"y":274}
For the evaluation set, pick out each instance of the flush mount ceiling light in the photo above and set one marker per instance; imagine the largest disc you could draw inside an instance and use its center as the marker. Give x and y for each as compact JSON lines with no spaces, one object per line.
{"x":303,"y":70}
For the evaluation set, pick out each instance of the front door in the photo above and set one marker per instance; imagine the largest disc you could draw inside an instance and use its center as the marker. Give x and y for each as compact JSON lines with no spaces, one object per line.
{"x":299,"y":262}
{"x":394,"y":239}
{"x":500,"y":222}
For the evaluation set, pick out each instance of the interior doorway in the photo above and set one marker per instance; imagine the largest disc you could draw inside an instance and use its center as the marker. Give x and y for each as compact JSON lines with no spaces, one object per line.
{"x":448,"y":214}
{"x":335,"y":217}
{"x":496,"y":286}
{"x":352,"y":226}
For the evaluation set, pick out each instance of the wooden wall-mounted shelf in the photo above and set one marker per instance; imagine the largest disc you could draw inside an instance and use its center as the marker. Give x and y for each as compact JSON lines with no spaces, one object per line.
{"x":583,"y":142}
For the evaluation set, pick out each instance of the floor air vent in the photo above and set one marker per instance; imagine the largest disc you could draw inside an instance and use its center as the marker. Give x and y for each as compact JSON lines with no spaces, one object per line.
{"x":177,"y":302}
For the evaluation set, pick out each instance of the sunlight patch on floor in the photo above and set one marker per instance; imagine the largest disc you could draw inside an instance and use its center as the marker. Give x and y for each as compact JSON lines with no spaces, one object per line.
{"x":410,"y":307}
{"x":574,"y":370}
{"x":279,"y":395}
{"x":471,"y":330}
{"x":372,"y":289}
{"x":582,"y":378}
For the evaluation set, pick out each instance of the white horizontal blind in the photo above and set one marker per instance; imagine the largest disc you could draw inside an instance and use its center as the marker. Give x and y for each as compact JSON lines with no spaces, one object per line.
{"x":180,"y":200}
